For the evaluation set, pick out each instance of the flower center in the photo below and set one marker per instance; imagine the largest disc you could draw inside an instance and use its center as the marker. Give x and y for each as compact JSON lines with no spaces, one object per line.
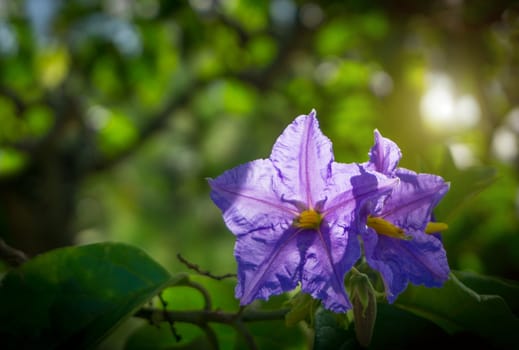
{"x":385,"y":228}
{"x":308,"y":219}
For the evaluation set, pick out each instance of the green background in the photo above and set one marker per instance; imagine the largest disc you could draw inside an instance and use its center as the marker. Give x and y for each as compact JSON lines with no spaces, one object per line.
{"x":114,"y":113}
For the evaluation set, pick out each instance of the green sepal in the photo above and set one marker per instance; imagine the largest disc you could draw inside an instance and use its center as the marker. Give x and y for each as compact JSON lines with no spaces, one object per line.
{"x":302,"y":308}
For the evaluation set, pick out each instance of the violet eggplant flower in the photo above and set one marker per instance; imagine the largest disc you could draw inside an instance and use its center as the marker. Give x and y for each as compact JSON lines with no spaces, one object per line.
{"x":400,"y":239}
{"x":292,"y":215}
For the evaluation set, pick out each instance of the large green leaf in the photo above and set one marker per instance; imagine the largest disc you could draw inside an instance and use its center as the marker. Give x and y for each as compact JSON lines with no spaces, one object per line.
{"x":435,"y":318}
{"x":464,"y":186}
{"x":458,"y":309}
{"x":73,"y":297}
{"x":330,"y":332}
{"x":394,"y":329}
{"x":507,"y":289}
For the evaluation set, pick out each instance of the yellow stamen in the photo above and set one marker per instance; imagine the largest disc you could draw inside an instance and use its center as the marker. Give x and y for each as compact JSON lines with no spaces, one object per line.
{"x":434,"y":227}
{"x":308,"y":219}
{"x":386,"y":228}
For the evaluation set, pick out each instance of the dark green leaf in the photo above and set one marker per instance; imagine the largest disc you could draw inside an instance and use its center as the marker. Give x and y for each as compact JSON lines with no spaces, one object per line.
{"x":273,"y":335}
{"x":73,"y":297}
{"x":160,"y":336}
{"x":465,"y":185}
{"x":507,"y":289}
{"x":394,"y":329}
{"x":330,"y":332}
{"x":457,"y":308}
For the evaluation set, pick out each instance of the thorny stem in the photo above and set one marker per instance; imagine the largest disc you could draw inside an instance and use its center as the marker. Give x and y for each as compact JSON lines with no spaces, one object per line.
{"x":202,"y":318}
{"x":197,"y":268}
{"x":168,"y":319}
{"x":202,"y":290}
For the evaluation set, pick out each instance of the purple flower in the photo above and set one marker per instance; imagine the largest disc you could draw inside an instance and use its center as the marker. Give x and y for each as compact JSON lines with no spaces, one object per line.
{"x":292,"y":215}
{"x":397,"y":238}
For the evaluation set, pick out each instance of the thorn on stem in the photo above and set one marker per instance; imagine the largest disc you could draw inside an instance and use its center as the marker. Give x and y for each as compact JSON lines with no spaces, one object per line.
{"x":168,"y":319}
{"x":197,"y":268}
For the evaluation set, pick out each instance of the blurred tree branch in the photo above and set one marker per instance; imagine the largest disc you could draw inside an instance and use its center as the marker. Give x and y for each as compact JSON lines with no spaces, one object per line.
{"x":12,"y":257}
{"x":18,"y":102}
{"x":155,"y":124}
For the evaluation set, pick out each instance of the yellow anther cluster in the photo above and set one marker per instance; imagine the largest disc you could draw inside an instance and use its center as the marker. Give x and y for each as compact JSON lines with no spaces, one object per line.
{"x":308,"y":219}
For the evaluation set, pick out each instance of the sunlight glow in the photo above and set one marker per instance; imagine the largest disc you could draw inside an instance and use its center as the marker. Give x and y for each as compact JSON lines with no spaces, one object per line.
{"x":441,"y":109}
{"x":462,"y":155}
{"x":381,"y":84}
{"x":97,"y":117}
{"x":504,"y":144}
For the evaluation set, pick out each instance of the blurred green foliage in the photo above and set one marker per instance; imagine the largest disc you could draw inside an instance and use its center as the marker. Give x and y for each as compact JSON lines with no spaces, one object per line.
{"x":113,"y":113}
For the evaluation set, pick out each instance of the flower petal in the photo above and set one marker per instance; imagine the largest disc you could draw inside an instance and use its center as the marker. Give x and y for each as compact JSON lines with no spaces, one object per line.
{"x":248,"y":197}
{"x":413,"y":199}
{"x":269,"y":262}
{"x":302,"y":155}
{"x":384,"y":155}
{"x":332,"y":254}
{"x":350,"y":189}
{"x":421,"y":260}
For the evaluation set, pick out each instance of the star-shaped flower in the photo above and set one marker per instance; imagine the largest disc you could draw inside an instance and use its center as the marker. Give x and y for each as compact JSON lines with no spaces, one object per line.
{"x":292,"y":214}
{"x":398,"y":239}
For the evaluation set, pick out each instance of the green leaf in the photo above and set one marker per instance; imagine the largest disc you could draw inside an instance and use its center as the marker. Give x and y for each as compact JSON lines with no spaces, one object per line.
{"x":398,"y":329}
{"x":273,"y":335}
{"x":116,"y":134}
{"x":507,"y":289}
{"x":394,"y":329}
{"x":11,"y":161}
{"x":158,"y":337}
{"x":330,"y":332}
{"x":73,"y":297}
{"x":465,"y":185}
{"x":39,"y":120}
{"x":457,"y":308}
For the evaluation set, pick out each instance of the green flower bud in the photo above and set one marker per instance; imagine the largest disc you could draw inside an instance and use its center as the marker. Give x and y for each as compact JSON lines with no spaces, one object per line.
{"x":364,"y":308}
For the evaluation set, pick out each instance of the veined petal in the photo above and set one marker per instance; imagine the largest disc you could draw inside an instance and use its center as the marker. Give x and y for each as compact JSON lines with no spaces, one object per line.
{"x":269,"y":262}
{"x":384,"y":155}
{"x":302,"y":156}
{"x":413,"y":199}
{"x":326,"y":262}
{"x":319,"y":259}
{"x":247,"y":197}
{"x":421,"y":260}
{"x":349,"y":190}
